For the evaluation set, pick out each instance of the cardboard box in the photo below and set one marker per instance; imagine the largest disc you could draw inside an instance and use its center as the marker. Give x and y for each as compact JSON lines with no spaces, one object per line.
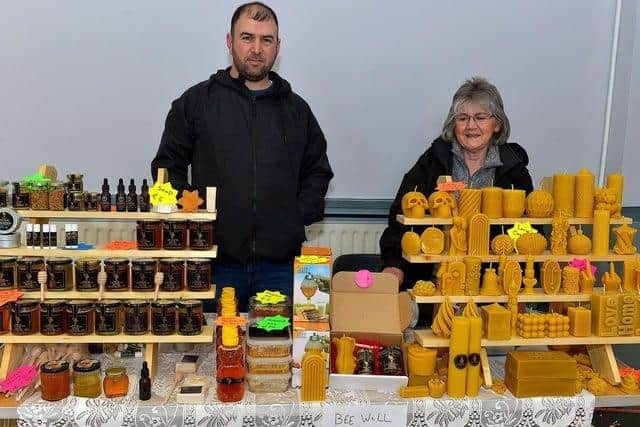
{"x":311,"y":281}
{"x":378,"y":312}
{"x":302,"y":331}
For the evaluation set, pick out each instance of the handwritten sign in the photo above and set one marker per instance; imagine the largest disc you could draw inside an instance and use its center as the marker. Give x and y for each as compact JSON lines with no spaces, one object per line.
{"x":274,"y":323}
{"x":520,"y":229}
{"x":313,"y":259}
{"x":365,"y":415}
{"x":18,"y":378}
{"x":270,"y":297}
{"x":231,"y":321}
{"x":163,"y":194}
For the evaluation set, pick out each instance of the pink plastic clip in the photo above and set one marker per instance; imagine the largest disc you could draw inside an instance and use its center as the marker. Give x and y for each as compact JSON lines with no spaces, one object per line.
{"x":364,"y":278}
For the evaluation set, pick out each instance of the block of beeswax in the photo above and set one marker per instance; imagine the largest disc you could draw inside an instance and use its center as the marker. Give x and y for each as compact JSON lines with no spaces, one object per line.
{"x":540,"y":365}
{"x":496,"y":322}
{"x":538,"y":388}
{"x":414,"y":391}
{"x":627,"y":307}
{"x":579,"y":321}
{"x":604,"y":314}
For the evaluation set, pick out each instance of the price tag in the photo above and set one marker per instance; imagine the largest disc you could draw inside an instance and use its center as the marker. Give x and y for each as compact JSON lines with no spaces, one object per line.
{"x":364,"y":415}
{"x":9,"y":296}
{"x":451,"y":186}
{"x":163,"y":194}
{"x":21,"y":377}
{"x":231,"y":321}
{"x":520,"y":229}
{"x":270,"y":297}
{"x":274,"y":323}
{"x":313,"y":259}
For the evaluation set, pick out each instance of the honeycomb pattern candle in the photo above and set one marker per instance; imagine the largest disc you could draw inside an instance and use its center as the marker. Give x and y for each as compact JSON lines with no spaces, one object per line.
{"x":492,"y":202}
{"x":615,"y":181}
{"x":470,"y":202}
{"x":563,"y":193}
{"x":600,"y":239}
{"x":585,"y":191}
{"x":570,"y":280}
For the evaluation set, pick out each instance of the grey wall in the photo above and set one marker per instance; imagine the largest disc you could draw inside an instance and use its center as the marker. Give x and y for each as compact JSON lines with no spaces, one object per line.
{"x":86,"y":85}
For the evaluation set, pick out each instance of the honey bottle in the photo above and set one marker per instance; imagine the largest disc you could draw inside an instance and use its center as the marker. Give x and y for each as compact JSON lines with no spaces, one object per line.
{"x":230,"y":369}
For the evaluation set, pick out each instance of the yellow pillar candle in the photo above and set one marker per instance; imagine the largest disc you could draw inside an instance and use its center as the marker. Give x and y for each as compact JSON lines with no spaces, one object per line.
{"x":472,"y":276}
{"x":492,"y":202}
{"x":563,"y":193}
{"x":470,"y":202}
{"x":629,"y":275}
{"x":458,"y":358}
{"x":579,"y":321}
{"x":513,"y":203}
{"x":604,"y":314}
{"x":473,"y":373}
{"x":615,"y":181}
{"x":585,"y":191}
{"x":600,"y":238}
{"x":627,"y":308}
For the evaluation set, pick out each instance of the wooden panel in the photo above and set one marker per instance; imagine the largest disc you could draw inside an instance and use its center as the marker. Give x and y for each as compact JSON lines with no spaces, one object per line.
{"x":211,"y":294}
{"x":120,"y":216}
{"x":604,"y":362}
{"x":426,"y":338}
{"x":538,"y":296}
{"x":486,"y":368}
{"x":205,"y":337}
{"x":506,"y":221}
{"x":108,"y":253}
{"x":433,"y":259}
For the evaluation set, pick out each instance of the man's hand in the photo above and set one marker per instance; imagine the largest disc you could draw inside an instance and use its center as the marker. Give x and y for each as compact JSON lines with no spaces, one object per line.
{"x":396,"y":272}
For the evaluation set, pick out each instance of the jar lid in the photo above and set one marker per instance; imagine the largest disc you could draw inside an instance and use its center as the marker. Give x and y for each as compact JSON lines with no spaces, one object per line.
{"x":57,"y":185}
{"x":162,"y":303}
{"x":9,"y":221}
{"x":202,"y":221}
{"x":30,"y":259}
{"x":116,"y":260}
{"x":52,"y":303}
{"x":26,"y":304}
{"x":136,"y":303}
{"x":9,"y":241}
{"x":190,"y":303}
{"x":172,"y":261}
{"x":143,"y":261}
{"x":8,"y":259}
{"x":198,"y":261}
{"x":80,"y":303}
{"x":59,"y":260}
{"x":175,"y":221}
{"x":54,"y":366}
{"x":149,"y":221}
{"x":108,"y":303}
{"x":116,"y":371}
{"x":76,"y":193}
{"x":86,"y":365}
{"x":73,"y":176}
{"x":80,"y":262}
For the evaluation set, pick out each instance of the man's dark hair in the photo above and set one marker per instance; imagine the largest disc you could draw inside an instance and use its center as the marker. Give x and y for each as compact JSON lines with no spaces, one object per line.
{"x":256,"y":10}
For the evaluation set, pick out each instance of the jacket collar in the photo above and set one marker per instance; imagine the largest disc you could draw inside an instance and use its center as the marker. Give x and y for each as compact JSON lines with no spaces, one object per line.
{"x":223,"y":77}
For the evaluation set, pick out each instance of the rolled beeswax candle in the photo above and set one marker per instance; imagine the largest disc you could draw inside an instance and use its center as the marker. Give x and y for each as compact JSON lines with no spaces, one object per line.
{"x":627,"y":308}
{"x":579,"y":321}
{"x":470,"y":202}
{"x":563,"y":193}
{"x":473,"y":373}
{"x":513,"y":203}
{"x":585,"y":190}
{"x":604,"y":314}
{"x":600,"y":238}
{"x":492,"y":202}
{"x":458,"y":358}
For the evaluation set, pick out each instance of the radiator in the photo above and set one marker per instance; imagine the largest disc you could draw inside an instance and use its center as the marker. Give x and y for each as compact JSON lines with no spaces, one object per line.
{"x":342,"y":238}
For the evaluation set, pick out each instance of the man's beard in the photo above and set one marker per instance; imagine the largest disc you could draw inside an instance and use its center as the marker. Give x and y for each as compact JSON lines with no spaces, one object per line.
{"x":245,"y":70}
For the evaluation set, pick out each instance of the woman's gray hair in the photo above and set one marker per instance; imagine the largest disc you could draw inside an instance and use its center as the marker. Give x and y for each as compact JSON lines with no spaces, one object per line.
{"x":477,"y":90}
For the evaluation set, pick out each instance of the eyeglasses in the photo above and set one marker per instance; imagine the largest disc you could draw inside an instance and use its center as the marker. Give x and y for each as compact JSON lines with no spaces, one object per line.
{"x":480,"y":118}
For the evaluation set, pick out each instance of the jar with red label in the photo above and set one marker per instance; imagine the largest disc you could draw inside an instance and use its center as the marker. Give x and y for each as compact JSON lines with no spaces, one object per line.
{"x":201,"y":234}
{"x":149,"y":234}
{"x":174,"y":274}
{"x":117,"y":270}
{"x":174,"y":234}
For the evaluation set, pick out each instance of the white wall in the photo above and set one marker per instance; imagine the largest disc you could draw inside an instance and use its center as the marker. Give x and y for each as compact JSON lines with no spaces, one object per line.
{"x":86,"y":85}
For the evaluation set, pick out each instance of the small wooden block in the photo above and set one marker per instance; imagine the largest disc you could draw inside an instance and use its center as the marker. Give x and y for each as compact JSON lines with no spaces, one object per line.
{"x":486,"y":369}
{"x":603,"y":361}
{"x":163,"y":176}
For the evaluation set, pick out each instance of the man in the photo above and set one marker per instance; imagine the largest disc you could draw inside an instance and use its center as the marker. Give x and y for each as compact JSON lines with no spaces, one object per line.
{"x":245,"y":132}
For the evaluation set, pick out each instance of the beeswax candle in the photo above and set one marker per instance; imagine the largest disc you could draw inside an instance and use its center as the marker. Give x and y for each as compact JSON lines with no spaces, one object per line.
{"x":600,"y":238}
{"x":421,"y":361}
{"x":472,"y":277}
{"x":636,"y":320}
{"x":529,"y":279}
{"x":479,"y":235}
{"x":513,"y":203}
{"x":570,"y":280}
{"x":470,"y":202}
{"x":627,"y":308}
{"x":563,"y":193}
{"x":437,"y":387}
{"x":490,"y":283}
{"x":585,"y":191}
{"x":458,"y":357}
{"x":492,"y":202}
{"x":629,"y":275}
{"x":615,"y":181}
{"x":604,"y":314}
{"x":579,"y":321}
{"x":496,"y":322}
{"x":345,"y":360}
{"x":314,"y":373}
{"x":473,"y":373}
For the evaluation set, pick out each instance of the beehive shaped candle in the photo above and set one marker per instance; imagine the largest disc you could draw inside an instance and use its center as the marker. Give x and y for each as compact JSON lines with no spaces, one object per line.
{"x":472,"y":277}
{"x":540,"y":373}
{"x":414,"y":204}
{"x":551,"y":277}
{"x":563,"y":194}
{"x":570,"y":280}
{"x":624,"y":240}
{"x":600,"y":238}
{"x":470,"y":202}
{"x":615,"y":181}
{"x":604,"y":314}
{"x":585,"y":191}
{"x":531,"y":244}
{"x":629,"y":274}
{"x":496,"y":322}
{"x":490,"y":283}
{"x":627,"y":309}
{"x":539,"y":204}
{"x":441,"y":325}
{"x":479,"y":226}
{"x":578,"y":243}
{"x":432,"y":241}
{"x":314,"y":374}
{"x":424,"y":288}
{"x":492,"y":202}
{"x":458,"y":357}
{"x":473,"y":371}
{"x":559,"y":231}
{"x":458,"y":234}
{"x":502,"y":245}
{"x":410,"y":243}
{"x":345,"y":360}
{"x":513,"y":203}
{"x":579,"y":321}
{"x":441,"y":204}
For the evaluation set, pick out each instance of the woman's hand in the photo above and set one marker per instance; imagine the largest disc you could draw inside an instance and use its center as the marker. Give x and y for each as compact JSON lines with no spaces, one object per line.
{"x":396,"y":272}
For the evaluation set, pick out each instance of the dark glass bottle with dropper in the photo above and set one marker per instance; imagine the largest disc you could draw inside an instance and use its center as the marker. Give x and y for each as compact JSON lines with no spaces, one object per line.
{"x":144,"y":385}
{"x":145,"y":204}
{"x":121,"y":197}
{"x":105,"y":197}
{"x":132,"y":197}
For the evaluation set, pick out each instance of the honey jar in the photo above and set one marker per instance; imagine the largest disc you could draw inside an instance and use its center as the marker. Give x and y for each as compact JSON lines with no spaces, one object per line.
{"x":163,"y":317}
{"x":108,"y":317}
{"x":198,"y":274}
{"x":117,"y":270}
{"x":136,"y":317}
{"x":7,"y":272}
{"x":174,"y":274}
{"x":174,"y":234}
{"x":87,"y":270}
{"x":60,"y":272}
{"x":80,"y":317}
{"x":86,"y":378}
{"x":143,"y":271}
{"x":28,"y":269}
{"x":116,"y":382}
{"x":201,"y":235}
{"x":149,"y":234}
{"x":53,"y":316}
{"x":190,"y":317}
{"x":54,"y":380}
{"x":25,"y":317}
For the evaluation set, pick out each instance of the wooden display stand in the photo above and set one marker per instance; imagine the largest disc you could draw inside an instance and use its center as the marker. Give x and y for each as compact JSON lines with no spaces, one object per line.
{"x":13,"y":343}
{"x":600,"y":348}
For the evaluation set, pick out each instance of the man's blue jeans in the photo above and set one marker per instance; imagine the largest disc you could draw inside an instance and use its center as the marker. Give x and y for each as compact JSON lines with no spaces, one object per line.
{"x":251,"y":278}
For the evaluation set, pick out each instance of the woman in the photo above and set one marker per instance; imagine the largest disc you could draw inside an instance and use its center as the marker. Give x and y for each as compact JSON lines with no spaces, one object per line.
{"x":472,"y":149}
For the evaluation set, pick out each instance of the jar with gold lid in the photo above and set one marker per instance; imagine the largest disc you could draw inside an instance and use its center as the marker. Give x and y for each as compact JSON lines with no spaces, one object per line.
{"x":136,"y":317}
{"x":53,"y":317}
{"x":87,"y":270}
{"x":190,"y":317}
{"x":7,"y":272}
{"x":117,"y":270}
{"x":116,"y":382}
{"x":80,"y":317}
{"x":163,"y":317}
{"x":60,"y":272}
{"x":28,"y":269}
{"x":86,"y":378}
{"x":108,"y":317}
{"x":54,"y":380}
{"x":25,"y":317}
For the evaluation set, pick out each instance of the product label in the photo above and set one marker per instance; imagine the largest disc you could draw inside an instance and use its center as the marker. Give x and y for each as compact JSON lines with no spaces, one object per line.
{"x":71,"y":238}
{"x":86,"y":280}
{"x":27,"y":280}
{"x":24,"y":200}
{"x":7,"y":278}
{"x":57,"y":279}
{"x":51,"y":321}
{"x":174,"y":235}
{"x":199,"y":238}
{"x":53,"y":239}
{"x":198,"y":277}
{"x":21,"y":322}
{"x":146,"y":237}
{"x":135,"y":320}
{"x":189,"y":323}
{"x":106,"y":321}
{"x":163,"y":322}
{"x":173,"y":278}
{"x":142,"y":277}
{"x":78,"y":323}
{"x":116,"y":277}
{"x":6,"y":221}
{"x":105,"y":202}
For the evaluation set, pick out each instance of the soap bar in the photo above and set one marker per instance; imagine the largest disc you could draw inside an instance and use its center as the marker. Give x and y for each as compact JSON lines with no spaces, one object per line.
{"x":627,"y":308}
{"x":579,"y":321}
{"x":604,"y":314}
{"x":189,"y":364}
{"x":540,"y":365}
{"x":496,"y":322}
{"x":537,"y":387}
{"x":414,"y":391}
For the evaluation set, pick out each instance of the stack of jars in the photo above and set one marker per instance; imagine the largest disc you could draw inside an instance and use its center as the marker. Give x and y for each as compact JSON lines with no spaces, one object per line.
{"x":229,"y":351}
{"x":177,"y":234}
{"x":269,"y":349}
